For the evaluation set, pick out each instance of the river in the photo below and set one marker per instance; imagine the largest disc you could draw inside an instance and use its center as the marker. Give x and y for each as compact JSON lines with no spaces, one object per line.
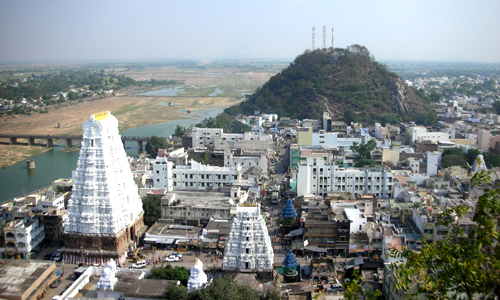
{"x":17,"y":180}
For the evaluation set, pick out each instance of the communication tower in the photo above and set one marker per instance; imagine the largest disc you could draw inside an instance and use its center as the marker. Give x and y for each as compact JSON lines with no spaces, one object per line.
{"x":332,"y":37}
{"x":324,"y":37}
{"x":313,"y":34}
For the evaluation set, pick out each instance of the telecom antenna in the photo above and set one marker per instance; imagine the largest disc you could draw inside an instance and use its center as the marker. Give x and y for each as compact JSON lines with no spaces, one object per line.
{"x":313,"y":39}
{"x":324,"y":37}
{"x":335,"y":57}
{"x":332,"y":37}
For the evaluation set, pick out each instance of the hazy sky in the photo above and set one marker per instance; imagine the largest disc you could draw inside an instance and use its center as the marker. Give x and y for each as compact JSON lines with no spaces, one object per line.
{"x":77,"y":30}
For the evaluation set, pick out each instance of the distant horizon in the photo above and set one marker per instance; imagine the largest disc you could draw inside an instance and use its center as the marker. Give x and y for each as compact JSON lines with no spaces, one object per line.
{"x":63,"y":31}
{"x":228,"y":59}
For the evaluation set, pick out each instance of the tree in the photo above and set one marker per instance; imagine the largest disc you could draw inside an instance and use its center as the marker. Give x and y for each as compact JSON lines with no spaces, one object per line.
{"x":453,"y":151}
{"x":354,"y":289}
{"x":435,"y":97}
{"x":151,"y":204}
{"x":365,"y":162}
{"x":363,"y":149}
{"x":471,"y":156}
{"x":453,"y":160}
{"x":224,"y":289}
{"x":170,"y":273}
{"x":492,"y":160}
{"x":350,"y":116}
{"x":154,"y":143}
{"x":176,"y":292}
{"x":463,"y":265}
{"x":180,"y":131}
{"x":389,"y":119}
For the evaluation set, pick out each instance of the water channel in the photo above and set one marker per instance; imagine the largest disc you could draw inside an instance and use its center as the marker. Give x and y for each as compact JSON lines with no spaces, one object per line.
{"x":17,"y":180}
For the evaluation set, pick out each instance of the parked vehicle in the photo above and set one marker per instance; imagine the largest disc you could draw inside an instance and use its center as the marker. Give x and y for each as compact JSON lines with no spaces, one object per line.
{"x":47,"y":256}
{"x":55,"y":283}
{"x":139,"y":265}
{"x":58,"y":256}
{"x":172,"y":258}
{"x":141,"y":255}
{"x":53,"y":256}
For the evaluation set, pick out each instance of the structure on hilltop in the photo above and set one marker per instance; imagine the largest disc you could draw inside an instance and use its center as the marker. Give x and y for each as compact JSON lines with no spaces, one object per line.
{"x":105,"y":216}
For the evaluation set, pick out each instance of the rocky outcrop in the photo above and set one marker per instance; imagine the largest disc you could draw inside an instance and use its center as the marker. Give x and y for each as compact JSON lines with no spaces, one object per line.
{"x":404,"y":99}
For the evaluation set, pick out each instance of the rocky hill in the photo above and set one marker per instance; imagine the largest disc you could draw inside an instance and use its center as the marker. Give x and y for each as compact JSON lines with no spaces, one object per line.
{"x":336,"y":80}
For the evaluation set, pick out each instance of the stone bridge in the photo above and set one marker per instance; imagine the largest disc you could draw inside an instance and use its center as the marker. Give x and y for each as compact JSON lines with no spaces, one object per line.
{"x":69,"y":139}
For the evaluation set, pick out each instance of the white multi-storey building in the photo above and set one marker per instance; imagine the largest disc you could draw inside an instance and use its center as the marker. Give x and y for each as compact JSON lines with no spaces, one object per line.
{"x":420,"y":133}
{"x":51,"y":202}
{"x":195,"y":176}
{"x":248,"y":245}
{"x":216,"y":138}
{"x":433,"y":159}
{"x":246,"y":160}
{"x":318,"y":177}
{"x":203,"y":137}
{"x":105,"y":210}
{"x":332,"y":140}
{"x":21,"y":236}
{"x":380,"y":131}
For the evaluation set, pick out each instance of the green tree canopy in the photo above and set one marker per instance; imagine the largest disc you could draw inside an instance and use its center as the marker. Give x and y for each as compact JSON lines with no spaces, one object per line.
{"x":168,"y":272}
{"x":365,"y":162}
{"x":154,"y":143}
{"x":492,"y":160}
{"x":453,"y":160}
{"x":222,"y":289}
{"x":151,"y":204}
{"x":350,"y":116}
{"x":364,"y":149}
{"x":471,"y":156}
{"x":463,"y":265}
{"x":354,"y":289}
{"x":225,"y":289}
{"x":180,"y":131}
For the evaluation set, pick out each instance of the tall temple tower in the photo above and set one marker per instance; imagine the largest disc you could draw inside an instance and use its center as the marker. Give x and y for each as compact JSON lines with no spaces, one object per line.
{"x":248,"y":247}
{"x":105,"y":216}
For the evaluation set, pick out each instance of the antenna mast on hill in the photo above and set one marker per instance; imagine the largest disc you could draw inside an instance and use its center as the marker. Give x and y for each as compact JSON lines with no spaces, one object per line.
{"x":332,"y":37}
{"x":324,"y":37}
{"x":335,"y":57}
{"x":313,"y":34}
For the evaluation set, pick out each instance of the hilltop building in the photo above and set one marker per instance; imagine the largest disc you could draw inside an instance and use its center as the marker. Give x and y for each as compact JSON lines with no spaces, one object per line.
{"x":105,"y":216}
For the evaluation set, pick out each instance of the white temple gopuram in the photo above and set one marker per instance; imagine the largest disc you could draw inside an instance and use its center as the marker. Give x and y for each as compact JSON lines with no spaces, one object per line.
{"x":105,"y":216}
{"x":197,"y":277}
{"x":248,"y":247}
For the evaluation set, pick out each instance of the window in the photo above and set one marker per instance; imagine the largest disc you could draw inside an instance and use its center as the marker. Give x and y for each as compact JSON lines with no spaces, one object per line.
{"x":248,"y":250}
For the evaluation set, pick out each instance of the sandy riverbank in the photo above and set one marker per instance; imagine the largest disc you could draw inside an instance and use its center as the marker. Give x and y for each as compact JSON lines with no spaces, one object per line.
{"x":131,"y":111}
